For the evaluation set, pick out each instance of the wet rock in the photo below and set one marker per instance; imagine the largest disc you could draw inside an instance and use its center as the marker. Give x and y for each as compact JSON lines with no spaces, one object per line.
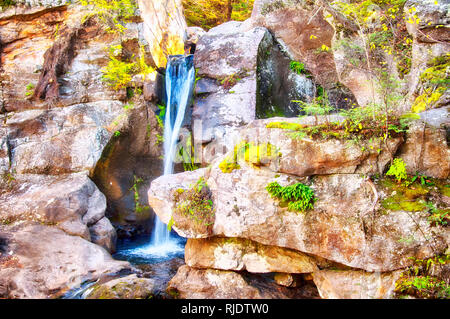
{"x":426,"y":151}
{"x":353,"y":284}
{"x":104,"y":234}
{"x":240,"y":254}
{"x":128,"y":163}
{"x":43,"y":260}
{"x":129,"y":287}
{"x":161,"y":274}
{"x":191,"y":283}
{"x":278,"y":85}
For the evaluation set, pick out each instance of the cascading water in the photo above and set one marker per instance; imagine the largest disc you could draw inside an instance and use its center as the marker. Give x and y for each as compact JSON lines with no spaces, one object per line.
{"x":180,"y":78}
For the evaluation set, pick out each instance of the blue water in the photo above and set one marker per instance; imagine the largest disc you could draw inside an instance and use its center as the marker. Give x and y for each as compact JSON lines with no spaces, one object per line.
{"x":162,"y":245}
{"x":140,"y":251}
{"x":180,"y":79}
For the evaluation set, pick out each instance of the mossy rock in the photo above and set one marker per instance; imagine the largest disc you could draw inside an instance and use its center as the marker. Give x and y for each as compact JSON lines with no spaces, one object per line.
{"x":194,"y":210}
{"x":130,"y":287}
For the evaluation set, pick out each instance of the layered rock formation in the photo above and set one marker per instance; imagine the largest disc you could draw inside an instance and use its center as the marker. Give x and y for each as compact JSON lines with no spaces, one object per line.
{"x":349,"y":228}
{"x":64,"y":128}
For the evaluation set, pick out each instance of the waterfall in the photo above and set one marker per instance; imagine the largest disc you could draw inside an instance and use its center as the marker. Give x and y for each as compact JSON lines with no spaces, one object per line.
{"x":180,"y":78}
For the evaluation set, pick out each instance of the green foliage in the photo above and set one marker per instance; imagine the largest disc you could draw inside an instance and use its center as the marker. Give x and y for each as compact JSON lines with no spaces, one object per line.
{"x":417,"y":281}
{"x":297,"y":67}
{"x":397,"y":169}
{"x":170,"y":224}
{"x":286,"y":126}
{"x":188,"y":157}
{"x":320,"y":105}
{"x":438,"y":216}
{"x":139,"y":209}
{"x":113,"y":13}
{"x":299,"y":197}
{"x":118,"y":74}
{"x":227,"y":166}
{"x":160,"y":115}
{"x":210,"y":13}
{"x":143,"y":67}
{"x":434,"y":83}
{"x":6,"y":3}
{"x":29,"y":89}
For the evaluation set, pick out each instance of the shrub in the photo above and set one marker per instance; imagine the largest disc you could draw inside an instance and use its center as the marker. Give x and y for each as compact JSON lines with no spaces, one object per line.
{"x":397,"y":169}
{"x":118,"y":73}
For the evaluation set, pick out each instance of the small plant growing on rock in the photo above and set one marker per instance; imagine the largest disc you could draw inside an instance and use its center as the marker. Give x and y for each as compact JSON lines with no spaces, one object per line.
{"x":29,"y":89}
{"x":299,"y":197}
{"x":417,"y":281}
{"x":297,"y":67}
{"x":194,"y":208}
{"x":398,"y":169}
{"x":139,"y":208}
{"x":227,"y":166}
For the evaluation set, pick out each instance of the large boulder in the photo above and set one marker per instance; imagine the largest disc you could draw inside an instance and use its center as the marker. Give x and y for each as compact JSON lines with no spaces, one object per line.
{"x":346,"y":225}
{"x":226,"y":60}
{"x":72,"y":203}
{"x":62,"y":140}
{"x":306,"y":157}
{"x":40,"y":261}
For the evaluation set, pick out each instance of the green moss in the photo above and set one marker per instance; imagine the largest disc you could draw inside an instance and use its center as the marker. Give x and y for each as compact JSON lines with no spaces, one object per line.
{"x":410,"y":198}
{"x":434,"y":82}
{"x":286,"y":126}
{"x":444,"y":187}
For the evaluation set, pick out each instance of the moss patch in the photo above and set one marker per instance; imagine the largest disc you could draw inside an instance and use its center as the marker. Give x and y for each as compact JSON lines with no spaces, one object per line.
{"x":435,"y":83}
{"x":405,"y":198}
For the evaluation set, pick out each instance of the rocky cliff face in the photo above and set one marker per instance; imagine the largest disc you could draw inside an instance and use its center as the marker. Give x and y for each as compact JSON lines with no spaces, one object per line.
{"x":77,"y":156}
{"x":58,"y":138}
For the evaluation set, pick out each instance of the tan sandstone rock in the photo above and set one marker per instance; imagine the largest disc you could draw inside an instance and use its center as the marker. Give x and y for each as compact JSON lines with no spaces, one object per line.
{"x":241,"y":254}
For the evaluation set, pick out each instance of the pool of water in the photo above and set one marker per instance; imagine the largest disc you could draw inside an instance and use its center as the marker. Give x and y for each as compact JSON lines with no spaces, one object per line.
{"x":139,"y":251}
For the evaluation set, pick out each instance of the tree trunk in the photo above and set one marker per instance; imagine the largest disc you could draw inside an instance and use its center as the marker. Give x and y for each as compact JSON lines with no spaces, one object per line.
{"x":229,"y":9}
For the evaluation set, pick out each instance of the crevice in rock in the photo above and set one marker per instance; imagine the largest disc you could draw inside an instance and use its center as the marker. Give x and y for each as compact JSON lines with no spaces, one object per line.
{"x":57,"y":60}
